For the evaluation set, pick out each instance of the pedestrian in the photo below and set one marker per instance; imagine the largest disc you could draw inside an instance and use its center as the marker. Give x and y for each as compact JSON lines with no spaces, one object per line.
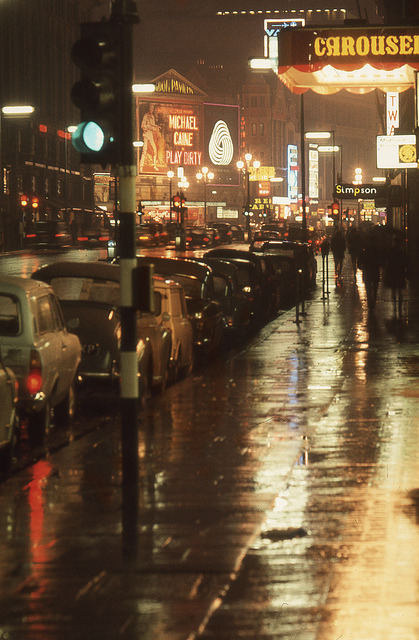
{"x":74,"y":231}
{"x":338,"y":246}
{"x":354,"y":247}
{"x":370,"y":263}
{"x":396,"y":272}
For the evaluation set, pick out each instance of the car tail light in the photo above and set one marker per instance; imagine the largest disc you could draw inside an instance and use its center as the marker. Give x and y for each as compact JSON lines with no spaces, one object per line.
{"x":104,"y":238}
{"x":34,"y":378}
{"x":82,"y":239}
{"x":59,"y":235}
{"x":31,"y":235}
{"x":188,"y":239}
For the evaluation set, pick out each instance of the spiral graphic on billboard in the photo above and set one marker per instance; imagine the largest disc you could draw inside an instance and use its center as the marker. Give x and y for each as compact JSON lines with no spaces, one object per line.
{"x":220,"y":146}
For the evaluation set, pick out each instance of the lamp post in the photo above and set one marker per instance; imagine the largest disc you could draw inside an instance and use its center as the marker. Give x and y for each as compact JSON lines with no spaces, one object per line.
{"x":333,"y":149}
{"x":246,"y":166}
{"x":206,"y":176}
{"x":170,"y":175}
{"x":11,"y":112}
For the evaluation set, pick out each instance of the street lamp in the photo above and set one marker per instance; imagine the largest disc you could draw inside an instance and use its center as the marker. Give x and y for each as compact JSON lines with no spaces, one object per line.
{"x":246,"y":167}
{"x":170,"y":175}
{"x":11,"y":112}
{"x":206,"y":176}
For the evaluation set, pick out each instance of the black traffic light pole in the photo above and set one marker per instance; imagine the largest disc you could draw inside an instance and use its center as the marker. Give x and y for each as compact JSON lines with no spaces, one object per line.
{"x":123,"y":16}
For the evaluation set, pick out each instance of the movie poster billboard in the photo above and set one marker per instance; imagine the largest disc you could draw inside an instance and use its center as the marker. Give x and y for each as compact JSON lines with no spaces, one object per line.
{"x":171,"y":133}
{"x":221,"y":142}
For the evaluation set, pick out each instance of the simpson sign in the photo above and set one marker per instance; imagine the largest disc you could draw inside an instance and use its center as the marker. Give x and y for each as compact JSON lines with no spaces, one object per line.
{"x":360,"y":191}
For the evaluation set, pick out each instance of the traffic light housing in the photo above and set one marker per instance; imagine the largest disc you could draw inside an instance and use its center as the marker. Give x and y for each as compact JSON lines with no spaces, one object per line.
{"x":98,"y":93}
{"x":24,"y":201}
{"x":35,"y":203}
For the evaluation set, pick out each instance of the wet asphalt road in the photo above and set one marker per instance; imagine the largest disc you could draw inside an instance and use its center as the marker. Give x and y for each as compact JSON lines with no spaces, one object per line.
{"x":278,"y":497}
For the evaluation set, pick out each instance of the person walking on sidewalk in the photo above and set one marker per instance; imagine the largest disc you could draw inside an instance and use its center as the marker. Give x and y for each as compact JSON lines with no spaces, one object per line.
{"x":338,"y":246}
{"x":354,"y":247}
{"x":395,"y":273}
{"x":370,"y":262}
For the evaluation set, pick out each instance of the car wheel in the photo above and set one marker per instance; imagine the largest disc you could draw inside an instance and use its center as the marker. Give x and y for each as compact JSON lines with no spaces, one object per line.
{"x":39,"y":424}
{"x":64,"y":410}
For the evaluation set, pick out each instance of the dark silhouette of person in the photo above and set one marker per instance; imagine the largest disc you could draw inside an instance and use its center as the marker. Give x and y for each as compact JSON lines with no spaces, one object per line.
{"x":338,"y":246}
{"x":74,"y":231}
{"x":370,"y":263}
{"x":354,"y":247}
{"x":396,"y":273}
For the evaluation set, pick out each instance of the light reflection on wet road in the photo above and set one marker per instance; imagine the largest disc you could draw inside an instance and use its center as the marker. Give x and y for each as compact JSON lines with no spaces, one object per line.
{"x":303,"y":447}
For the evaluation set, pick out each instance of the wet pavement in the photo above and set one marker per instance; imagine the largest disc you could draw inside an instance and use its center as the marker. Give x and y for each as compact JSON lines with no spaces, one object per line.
{"x":279,"y":497}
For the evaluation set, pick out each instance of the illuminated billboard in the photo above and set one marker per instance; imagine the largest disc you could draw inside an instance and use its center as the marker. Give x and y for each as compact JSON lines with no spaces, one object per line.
{"x":292,"y":172}
{"x":396,"y":152}
{"x":171,"y":133}
{"x":221,"y":142}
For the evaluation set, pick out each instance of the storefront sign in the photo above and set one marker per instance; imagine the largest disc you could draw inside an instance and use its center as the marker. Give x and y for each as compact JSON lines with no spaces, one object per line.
{"x":396,"y":152}
{"x":359,"y":191}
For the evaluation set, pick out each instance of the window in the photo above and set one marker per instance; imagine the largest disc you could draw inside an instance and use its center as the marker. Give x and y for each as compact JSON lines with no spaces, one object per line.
{"x":157,"y":303}
{"x":254,"y":129}
{"x":56,"y":314}
{"x":10,"y":316}
{"x":261,"y":129}
{"x":176,"y":305}
{"x":44,"y":314}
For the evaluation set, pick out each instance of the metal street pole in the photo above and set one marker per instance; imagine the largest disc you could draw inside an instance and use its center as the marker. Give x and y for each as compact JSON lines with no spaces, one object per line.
{"x":123,"y":17}
{"x":205,"y":200}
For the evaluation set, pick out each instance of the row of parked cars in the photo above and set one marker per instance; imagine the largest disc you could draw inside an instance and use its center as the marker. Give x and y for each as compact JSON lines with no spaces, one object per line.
{"x":62,"y":327}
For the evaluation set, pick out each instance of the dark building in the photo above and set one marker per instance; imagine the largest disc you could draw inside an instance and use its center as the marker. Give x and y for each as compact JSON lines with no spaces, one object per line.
{"x":37,"y":158}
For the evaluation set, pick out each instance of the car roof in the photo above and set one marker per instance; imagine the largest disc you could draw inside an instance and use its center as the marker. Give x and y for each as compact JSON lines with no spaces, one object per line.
{"x":96,"y":270}
{"x":11,"y":284}
{"x":177,"y":266}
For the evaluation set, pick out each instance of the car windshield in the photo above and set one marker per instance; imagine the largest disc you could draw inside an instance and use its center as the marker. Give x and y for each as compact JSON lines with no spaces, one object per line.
{"x":222,"y":287}
{"x":87,"y":289}
{"x":10,"y":315}
{"x":192,"y":286}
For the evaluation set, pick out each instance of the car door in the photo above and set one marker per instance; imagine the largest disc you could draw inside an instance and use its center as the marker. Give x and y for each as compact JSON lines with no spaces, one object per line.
{"x":53,"y":349}
{"x":182,"y":327}
{"x":6,"y":405}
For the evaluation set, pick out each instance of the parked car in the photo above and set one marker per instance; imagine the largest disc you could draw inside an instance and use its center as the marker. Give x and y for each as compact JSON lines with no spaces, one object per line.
{"x":9,"y":421}
{"x":89,"y":296}
{"x":236,"y":303}
{"x":173,"y":315}
{"x":47,"y":234}
{"x":264,"y":281}
{"x":237,"y":233}
{"x":204,"y":311}
{"x":151,"y":234}
{"x":198,"y":237}
{"x":286,"y":257}
{"x":42,"y":353}
{"x":224,"y":231}
{"x":94,"y":237}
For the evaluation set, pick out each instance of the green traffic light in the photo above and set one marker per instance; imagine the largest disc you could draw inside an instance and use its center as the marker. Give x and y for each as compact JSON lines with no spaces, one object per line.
{"x":89,"y":137}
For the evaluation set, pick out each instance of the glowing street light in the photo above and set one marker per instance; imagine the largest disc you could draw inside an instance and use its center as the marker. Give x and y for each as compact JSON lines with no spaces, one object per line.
{"x":206,"y":176}
{"x":246,"y":167}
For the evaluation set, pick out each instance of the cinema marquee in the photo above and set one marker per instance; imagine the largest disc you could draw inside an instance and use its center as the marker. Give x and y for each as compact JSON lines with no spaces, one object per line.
{"x":358,"y":59}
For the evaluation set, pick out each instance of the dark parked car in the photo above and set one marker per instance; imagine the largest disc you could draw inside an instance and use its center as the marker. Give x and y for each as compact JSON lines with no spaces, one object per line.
{"x":89,"y":297}
{"x":204,"y":310}
{"x":47,"y":234}
{"x":286,"y":257}
{"x":151,"y":234}
{"x":94,"y":237}
{"x":237,"y":233}
{"x":198,"y":237}
{"x":261,"y":278}
{"x":224,"y":231}
{"x":235,"y":300}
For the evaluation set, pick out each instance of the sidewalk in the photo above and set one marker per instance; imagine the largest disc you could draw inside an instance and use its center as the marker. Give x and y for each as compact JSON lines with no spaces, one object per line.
{"x":279,"y":497}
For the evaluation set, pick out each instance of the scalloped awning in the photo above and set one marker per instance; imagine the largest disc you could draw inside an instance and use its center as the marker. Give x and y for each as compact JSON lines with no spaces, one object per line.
{"x":357,"y":59}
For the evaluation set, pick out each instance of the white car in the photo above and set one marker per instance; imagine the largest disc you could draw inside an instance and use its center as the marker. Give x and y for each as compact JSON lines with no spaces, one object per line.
{"x":9,"y":422}
{"x":173,"y":315}
{"x":37,"y":347}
